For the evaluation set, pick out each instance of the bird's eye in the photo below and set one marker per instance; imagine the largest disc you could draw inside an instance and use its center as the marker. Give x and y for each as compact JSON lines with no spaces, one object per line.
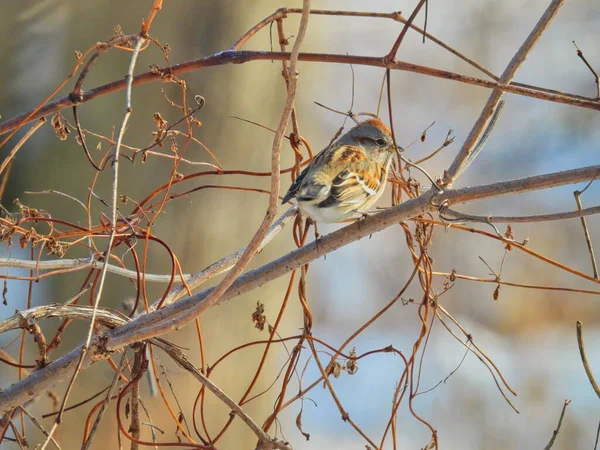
{"x":380,"y":142}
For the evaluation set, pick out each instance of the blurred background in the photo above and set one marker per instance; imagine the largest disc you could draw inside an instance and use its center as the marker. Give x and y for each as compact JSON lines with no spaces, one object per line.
{"x":530,"y":334}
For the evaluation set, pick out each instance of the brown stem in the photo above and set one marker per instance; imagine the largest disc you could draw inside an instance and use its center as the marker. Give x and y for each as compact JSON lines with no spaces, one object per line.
{"x":239,"y":57}
{"x":584,"y":360}
{"x":586,"y":232}
{"x":560,"y":419}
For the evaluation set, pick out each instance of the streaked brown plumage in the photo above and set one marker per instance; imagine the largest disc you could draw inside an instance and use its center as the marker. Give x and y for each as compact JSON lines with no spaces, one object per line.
{"x":347,"y":177}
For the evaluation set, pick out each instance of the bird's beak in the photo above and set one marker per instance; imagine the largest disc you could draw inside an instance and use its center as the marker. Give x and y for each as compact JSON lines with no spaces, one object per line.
{"x":396,"y":148}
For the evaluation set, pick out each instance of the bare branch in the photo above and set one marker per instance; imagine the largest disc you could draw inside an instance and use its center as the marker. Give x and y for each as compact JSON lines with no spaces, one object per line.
{"x":173,"y":316}
{"x":215,"y":294}
{"x":495,"y":97}
{"x":413,"y":213}
{"x":183,"y":361}
{"x":239,"y":57}
{"x":102,"y":409}
{"x":584,"y":360}
{"x":589,"y":66}
{"x":193,"y":280}
{"x":81,"y":263}
{"x":586,"y":232}
{"x":19,"y":144}
{"x":391,"y":56}
{"x":525,"y":219}
{"x":113,"y":233}
{"x":560,"y":419}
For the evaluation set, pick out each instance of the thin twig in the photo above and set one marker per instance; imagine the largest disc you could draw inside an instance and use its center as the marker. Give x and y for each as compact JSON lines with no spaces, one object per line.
{"x":115,"y":184}
{"x":584,"y":360}
{"x":449,"y":140}
{"x":53,"y":191}
{"x":183,"y":361}
{"x":496,"y":280}
{"x":396,"y":16}
{"x":589,"y":66}
{"x":19,"y":144}
{"x":81,"y":263}
{"x":560,"y":419}
{"x":529,"y":251}
{"x":524,"y":219}
{"x":345,"y":416}
{"x":483,"y":358}
{"x":586,"y":233}
{"x":39,"y":426}
{"x":249,"y":252}
{"x":115,"y":198}
{"x":156,"y":7}
{"x":391,"y":56}
{"x":107,"y":398}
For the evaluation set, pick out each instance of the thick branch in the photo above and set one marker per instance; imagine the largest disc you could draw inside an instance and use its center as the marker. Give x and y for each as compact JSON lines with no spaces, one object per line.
{"x":146,"y":326}
{"x":464,"y":157}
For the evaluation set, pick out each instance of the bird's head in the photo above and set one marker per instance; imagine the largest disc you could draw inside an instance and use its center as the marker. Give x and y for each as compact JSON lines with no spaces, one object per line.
{"x":373,"y":136}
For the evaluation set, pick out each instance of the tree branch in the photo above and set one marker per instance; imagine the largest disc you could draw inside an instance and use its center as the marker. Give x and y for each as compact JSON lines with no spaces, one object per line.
{"x":584,"y":360}
{"x":478,"y":129}
{"x":560,"y":419}
{"x":524,"y":219}
{"x":171,"y":317}
{"x":239,"y":57}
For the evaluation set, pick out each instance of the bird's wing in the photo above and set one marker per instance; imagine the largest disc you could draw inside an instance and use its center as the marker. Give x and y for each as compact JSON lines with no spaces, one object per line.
{"x":291,"y":193}
{"x":338,"y":175}
{"x":357,"y":180}
{"x":309,"y":185}
{"x":354,"y":186}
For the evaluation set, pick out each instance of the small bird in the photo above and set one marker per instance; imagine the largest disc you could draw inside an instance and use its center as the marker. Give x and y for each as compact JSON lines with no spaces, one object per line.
{"x":348,"y":176}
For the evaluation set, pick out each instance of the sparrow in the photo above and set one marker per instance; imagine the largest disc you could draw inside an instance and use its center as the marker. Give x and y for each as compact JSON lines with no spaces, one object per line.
{"x":348,"y":176}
